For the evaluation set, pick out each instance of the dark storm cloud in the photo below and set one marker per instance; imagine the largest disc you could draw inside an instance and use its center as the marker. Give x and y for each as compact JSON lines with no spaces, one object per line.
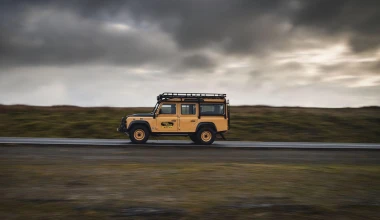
{"x":249,"y":26}
{"x":72,"y":32}
{"x":51,"y":33}
{"x":375,"y":67}
{"x":291,"y":66}
{"x":197,"y":61}
{"x":359,"y":19}
{"x":234,"y":26}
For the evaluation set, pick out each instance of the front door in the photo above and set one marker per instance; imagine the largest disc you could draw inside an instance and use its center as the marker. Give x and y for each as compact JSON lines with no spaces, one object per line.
{"x":167,"y":118}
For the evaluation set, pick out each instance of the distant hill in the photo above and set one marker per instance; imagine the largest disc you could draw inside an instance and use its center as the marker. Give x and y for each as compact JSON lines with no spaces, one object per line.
{"x":256,"y":123}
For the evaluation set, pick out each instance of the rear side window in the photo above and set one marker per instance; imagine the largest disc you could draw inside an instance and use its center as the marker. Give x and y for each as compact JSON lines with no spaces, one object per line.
{"x":168,"y":109}
{"x":188,"y":109}
{"x":212,"y":109}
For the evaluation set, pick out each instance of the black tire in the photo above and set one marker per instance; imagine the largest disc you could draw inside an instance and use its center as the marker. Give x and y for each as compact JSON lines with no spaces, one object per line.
{"x":205,"y":136}
{"x":139,"y":134}
{"x":193,"y":137}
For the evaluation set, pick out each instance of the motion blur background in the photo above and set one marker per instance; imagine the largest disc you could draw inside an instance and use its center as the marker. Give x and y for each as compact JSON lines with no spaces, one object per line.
{"x":316,"y":54}
{"x":293,"y":70}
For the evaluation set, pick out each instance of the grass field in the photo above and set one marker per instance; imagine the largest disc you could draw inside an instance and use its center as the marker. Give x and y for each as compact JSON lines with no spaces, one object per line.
{"x":64,"y":189}
{"x":255,"y":123}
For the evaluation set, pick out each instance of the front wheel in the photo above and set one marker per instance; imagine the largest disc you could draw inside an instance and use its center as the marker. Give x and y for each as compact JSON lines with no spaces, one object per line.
{"x":206,"y":136}
{"x":139,"y":134}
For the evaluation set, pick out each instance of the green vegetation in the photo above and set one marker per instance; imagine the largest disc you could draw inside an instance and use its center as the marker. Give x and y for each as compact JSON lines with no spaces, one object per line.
{"x":64,"y":189}
{"x":256,"y":123}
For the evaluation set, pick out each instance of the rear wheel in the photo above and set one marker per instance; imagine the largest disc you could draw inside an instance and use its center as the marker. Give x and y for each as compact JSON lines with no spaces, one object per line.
{"x":206,"y":136}
{"x":139,"y":134}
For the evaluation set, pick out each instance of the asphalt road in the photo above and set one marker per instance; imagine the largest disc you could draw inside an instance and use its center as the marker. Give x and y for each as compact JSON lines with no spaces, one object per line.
{"x":184,"y":144}
{"x":152,"y":154}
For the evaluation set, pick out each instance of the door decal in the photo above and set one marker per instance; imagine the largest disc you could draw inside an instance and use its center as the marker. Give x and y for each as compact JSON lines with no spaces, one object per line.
{"x":167,"y":124}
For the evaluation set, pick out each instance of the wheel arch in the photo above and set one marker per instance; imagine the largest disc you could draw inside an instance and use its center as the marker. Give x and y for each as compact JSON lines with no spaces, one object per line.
{"x":140,"y":122}
{"x":206,"y":124}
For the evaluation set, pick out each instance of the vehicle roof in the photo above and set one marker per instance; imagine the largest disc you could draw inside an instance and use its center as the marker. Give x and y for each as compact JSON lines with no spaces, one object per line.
{"x":193,"y":100}
{"x":191,"y":97}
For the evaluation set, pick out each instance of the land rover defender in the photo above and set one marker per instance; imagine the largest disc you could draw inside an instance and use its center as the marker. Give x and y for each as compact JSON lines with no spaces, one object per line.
{"x":201,"y":116}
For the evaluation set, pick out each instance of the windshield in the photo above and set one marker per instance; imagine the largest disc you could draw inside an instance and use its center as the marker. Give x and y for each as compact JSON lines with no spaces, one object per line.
{"x":155,"y":108}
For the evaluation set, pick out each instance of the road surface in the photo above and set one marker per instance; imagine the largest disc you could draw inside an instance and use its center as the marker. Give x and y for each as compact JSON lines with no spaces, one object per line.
{"x":181,"y":143}
{"x":153,"y":154}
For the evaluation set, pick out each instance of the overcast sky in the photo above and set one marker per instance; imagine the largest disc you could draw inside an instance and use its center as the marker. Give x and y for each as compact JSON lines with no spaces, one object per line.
{"x":319,"y":53}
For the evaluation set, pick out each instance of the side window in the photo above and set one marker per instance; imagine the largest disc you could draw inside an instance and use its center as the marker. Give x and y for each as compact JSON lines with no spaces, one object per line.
{"x":212,"y":109}
{"x":188,"y":109}
{"x":168,"y":109}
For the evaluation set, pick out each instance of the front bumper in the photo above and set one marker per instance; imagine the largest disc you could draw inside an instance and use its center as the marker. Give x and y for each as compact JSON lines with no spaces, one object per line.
{"x":122,"y":127}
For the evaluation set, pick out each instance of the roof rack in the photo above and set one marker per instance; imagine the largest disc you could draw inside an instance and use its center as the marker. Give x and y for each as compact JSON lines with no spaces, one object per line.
{"x":170,"y":95}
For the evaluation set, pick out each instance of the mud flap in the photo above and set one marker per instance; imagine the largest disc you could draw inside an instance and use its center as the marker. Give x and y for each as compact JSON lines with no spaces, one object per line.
{"x":222,"y":135}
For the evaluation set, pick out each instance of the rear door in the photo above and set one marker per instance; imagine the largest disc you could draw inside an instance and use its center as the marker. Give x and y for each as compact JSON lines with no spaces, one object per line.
{"x":188,"y":117}
{"x":167,"y":118}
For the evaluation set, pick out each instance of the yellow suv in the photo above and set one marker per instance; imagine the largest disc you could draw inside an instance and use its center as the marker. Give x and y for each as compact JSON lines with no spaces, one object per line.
{"x":201,"y":116}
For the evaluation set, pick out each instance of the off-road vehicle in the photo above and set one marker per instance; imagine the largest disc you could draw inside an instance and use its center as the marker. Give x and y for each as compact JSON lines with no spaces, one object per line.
{"x":201,"y":116}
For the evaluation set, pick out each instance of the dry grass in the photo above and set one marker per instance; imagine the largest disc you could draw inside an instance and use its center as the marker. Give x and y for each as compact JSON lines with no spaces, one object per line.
{"x":63,"y":189}
{"x":256,"y":123}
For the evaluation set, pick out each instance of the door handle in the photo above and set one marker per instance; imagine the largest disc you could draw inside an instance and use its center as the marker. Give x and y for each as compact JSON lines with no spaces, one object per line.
{"x":174,"y":120}
{"x":192,"y":121}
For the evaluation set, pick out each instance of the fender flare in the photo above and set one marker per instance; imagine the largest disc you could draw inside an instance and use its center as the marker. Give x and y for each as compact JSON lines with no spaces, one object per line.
{"x":206,"y":124}
{"x":139,"y":122}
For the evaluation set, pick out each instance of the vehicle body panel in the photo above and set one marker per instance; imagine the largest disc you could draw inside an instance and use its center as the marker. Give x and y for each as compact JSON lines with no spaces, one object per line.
{"x":182,"y":116}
